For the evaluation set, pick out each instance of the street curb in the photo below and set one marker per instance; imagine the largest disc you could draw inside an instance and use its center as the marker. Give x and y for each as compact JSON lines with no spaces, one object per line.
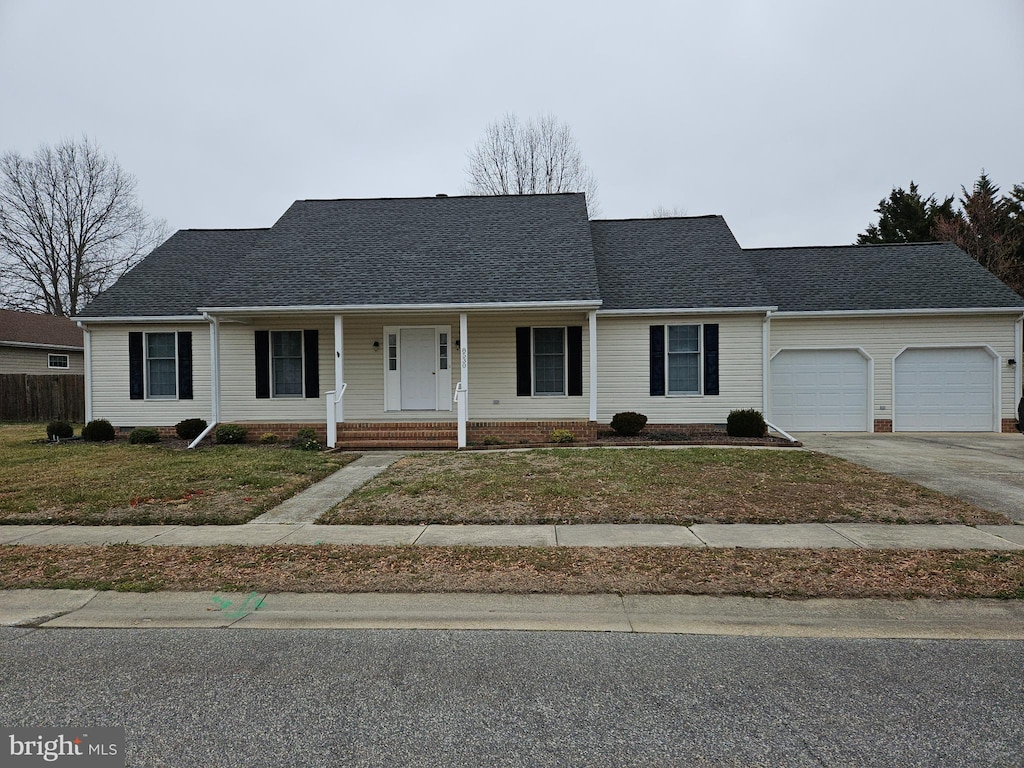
{"x":662,"y":614}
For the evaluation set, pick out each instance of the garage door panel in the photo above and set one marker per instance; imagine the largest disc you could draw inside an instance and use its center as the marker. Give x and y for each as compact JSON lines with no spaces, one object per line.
{"x":820,"y":389}
{"x":945,"y":389}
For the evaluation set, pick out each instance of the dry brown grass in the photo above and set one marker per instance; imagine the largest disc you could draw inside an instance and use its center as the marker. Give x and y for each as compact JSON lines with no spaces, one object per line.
{"x":697,"y":485}
{"x":793,"y":573}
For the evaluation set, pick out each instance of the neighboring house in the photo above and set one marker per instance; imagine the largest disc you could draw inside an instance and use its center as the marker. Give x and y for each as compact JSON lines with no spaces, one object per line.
{"x":530,"y":317}
{"x":39,"y":345}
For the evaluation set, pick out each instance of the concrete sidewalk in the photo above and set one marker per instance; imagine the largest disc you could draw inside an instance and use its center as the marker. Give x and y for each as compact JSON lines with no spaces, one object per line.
{"x":801,"y":535}
{"x":678,"y":614}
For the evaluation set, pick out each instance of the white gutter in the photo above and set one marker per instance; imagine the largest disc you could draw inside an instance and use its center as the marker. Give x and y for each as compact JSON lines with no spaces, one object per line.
{"x":143,"y":319}
{"x":894,"y":312}
{"x":377,"y":308}
{"x":87,"y":339}
{"x":688,"y":311}
{"x":33,"y":345}
{"x":203,"y":434}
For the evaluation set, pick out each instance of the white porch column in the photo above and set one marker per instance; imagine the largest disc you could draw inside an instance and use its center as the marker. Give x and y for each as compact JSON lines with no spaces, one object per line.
{"x":339,"y":363}
{"x":463,"y":403}
{"x":592,"y":318}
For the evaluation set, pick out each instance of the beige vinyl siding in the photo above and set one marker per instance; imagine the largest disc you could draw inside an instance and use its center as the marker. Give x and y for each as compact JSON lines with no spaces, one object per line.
{"x":110,"y":398}
{"x":623,"y":369}
{"x":35,"y":362}
{"x":238,"y":401}
{"x":883,"y":337}
{"x":492,"y":369}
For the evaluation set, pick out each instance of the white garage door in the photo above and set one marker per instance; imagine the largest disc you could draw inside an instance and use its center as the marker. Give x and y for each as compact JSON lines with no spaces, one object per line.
{"x":820,"y":390}
{"x":944,"y":390}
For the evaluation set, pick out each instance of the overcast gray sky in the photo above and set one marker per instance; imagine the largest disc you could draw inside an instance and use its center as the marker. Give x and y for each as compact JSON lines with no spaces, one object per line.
{"x":791,"y":118}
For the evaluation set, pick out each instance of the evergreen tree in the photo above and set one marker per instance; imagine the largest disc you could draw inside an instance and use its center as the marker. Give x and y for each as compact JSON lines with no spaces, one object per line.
{"x":906,"y":217}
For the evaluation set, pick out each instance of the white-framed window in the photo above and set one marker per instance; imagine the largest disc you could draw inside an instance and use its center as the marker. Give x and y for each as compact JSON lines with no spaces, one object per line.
{"x":286,"y":363}
{"x":57,"y":361}
{"x":161,"y":366}
{"x":683,"y":360}
{"x":549,"y":355}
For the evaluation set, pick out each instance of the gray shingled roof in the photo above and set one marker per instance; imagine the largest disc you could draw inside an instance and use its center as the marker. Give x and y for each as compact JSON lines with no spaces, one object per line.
{"x":673,"y":263}
{"x":182,"y":274}
{"x":436,"y":250}
{"x":866,"y":277}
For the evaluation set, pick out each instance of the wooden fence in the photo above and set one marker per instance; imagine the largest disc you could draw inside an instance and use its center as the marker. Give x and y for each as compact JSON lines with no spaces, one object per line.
{"x":42,"y":398}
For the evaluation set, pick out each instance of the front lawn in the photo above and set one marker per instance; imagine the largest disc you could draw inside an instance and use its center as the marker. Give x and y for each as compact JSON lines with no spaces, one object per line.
{"x":644,"y":485}
{"x":117,"y":483}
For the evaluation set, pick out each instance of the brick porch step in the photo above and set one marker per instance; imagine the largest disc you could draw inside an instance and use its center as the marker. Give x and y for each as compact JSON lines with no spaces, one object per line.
{"x":398,"y":435}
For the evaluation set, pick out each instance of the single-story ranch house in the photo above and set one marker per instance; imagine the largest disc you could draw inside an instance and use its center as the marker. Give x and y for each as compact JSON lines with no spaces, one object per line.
{"x":453,"y":319}
{"x":39,"y":345}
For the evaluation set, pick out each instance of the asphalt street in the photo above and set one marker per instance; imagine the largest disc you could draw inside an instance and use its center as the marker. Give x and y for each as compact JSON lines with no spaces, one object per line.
{"x":212,"y":697}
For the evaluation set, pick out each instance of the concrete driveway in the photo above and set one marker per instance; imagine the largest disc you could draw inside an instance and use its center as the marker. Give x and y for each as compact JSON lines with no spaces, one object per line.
{"x":986,"y":469}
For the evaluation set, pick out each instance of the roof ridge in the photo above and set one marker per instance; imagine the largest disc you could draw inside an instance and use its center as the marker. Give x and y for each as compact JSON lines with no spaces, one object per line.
{"x":427,"y":197}
{"x":850,"y":245}
{"x":224,"y":229}
{"x":658,"y":218}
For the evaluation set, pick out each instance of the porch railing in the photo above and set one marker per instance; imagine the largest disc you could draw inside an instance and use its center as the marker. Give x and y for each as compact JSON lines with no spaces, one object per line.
{"x":333,"y":398}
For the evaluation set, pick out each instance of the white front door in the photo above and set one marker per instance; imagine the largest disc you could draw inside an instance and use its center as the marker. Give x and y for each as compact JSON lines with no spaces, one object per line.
{"x":419,"y":369}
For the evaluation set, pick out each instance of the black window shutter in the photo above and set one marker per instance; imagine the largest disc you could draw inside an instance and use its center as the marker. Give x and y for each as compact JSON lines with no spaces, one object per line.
{"x":311,"y":344}
{"x":184,"y":365}
{"x":711,"y":359}
{"x":136,"y":367}
{"x":657,"y":360}
{"x":262,"y":364}
{"x":524,"y":387}
{"x":574,"y":337}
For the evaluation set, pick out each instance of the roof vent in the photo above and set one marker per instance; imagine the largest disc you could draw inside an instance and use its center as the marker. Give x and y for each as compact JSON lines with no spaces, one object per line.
{"x":440,"y":194}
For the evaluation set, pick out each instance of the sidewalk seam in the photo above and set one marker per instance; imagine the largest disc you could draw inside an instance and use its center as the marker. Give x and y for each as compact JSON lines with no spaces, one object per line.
{"x":855,"y":543}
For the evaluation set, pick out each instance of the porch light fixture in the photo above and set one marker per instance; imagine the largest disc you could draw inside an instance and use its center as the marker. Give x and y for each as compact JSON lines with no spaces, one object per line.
{"x":1011,"y":362}
{"x":376,"y":346}
{"x":458,"y":343}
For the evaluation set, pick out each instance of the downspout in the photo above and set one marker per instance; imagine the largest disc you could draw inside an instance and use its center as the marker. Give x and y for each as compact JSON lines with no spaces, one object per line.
{"x":214,"y":378}
{"x":766,"y":337}
{"x":87,"y":362}
{"x":1018,"y":351}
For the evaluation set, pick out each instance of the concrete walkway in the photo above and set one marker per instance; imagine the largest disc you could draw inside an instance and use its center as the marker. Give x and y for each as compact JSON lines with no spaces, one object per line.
{"x":680,"y":614}
{"x":802,"y":535}
{"x":307,"y":506}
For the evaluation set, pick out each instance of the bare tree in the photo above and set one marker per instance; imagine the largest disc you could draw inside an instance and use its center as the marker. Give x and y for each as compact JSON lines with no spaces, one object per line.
{"x":664,"y":212}
{"x":70,"y":225}
{"x":538,"y":156}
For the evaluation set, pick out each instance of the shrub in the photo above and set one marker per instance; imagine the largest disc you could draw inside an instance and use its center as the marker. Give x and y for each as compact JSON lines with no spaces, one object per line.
{"x":493,"y":440}
{"x":305,"y":440}
{"x":746,"y":423}
{"x":59,"y":430}
{"x":98,"y":431}
{"x":230,"y":434}
{"x":562,"y":436}
{"x":629,"y":423}
{"x":141,"y":435}
{"x":190,"y":429}
{"x":268,"y":438}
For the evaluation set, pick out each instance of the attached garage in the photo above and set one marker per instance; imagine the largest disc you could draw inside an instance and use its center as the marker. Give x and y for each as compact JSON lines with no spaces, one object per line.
{"x":945,"y":389}
{"x":816,"y":390}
